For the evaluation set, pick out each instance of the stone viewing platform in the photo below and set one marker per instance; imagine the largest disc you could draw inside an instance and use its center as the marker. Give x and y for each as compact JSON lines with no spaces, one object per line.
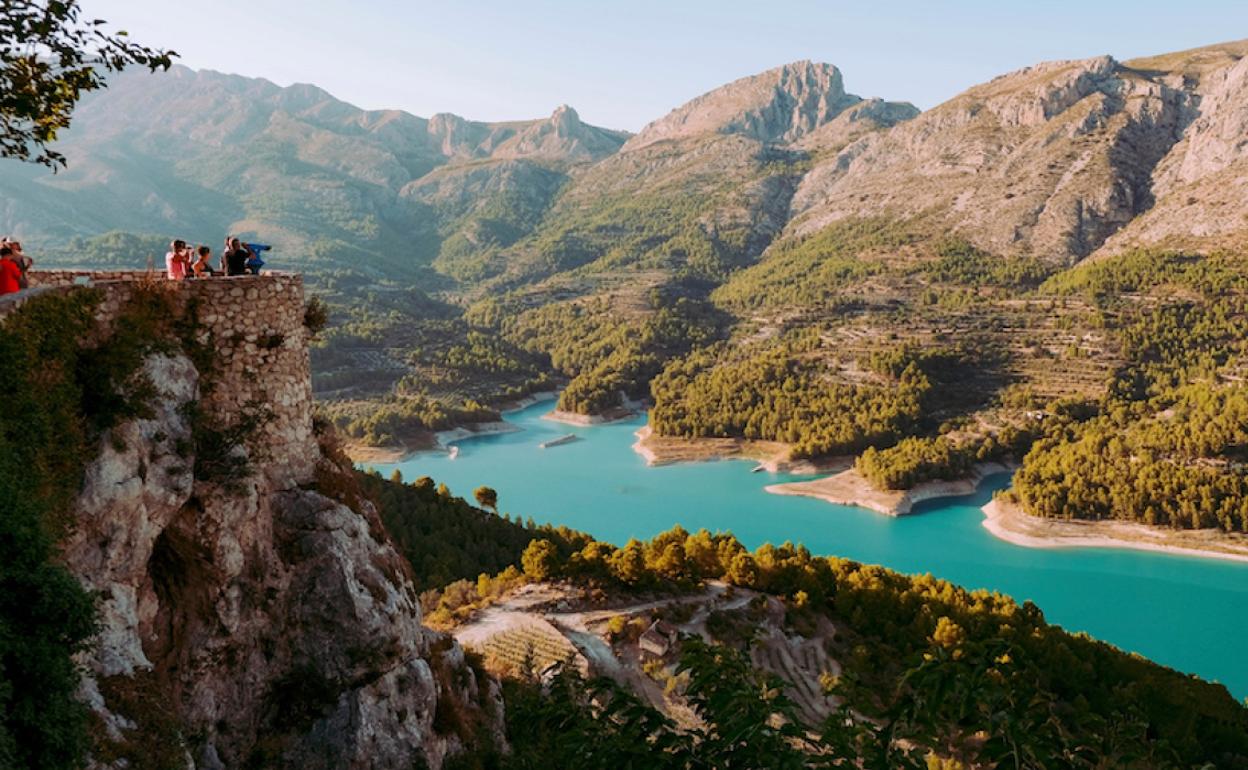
{"x":254,"y":325}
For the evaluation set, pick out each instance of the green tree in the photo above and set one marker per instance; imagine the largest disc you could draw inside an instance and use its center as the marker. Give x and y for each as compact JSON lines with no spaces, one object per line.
{"x":540,"y":559}
{"x":486,"y":497}
{"x":50,"y":56}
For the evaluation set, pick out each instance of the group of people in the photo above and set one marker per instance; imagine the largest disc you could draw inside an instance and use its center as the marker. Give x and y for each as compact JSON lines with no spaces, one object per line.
{"x":184,"y":262}
{"x":14,"y":265}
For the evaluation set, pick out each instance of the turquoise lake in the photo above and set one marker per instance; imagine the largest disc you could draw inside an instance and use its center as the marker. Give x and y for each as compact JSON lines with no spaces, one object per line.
{"x":1185,"y":612}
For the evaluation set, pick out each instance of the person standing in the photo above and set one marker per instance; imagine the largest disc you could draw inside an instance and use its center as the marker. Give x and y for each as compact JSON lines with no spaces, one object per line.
{"x":236,"y":258}
{"x":24,"y":262}
{"x":177,"y":261}
{"x":10,"y":273}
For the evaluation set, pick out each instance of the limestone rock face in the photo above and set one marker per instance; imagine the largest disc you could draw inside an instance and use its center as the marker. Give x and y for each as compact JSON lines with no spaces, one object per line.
{"x":273,"y":623}
{"x":1060,"y":161}
{"x":1048,"y":161}
{"x":561,"y":137}
{"x":1201,"y":186}
{"x":779,"y":105}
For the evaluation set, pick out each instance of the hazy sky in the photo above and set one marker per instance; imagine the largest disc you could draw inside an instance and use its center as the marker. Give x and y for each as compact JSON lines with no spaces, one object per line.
{"x":622,"y":64}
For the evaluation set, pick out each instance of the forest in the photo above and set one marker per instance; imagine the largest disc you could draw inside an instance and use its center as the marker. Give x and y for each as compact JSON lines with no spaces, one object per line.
{"x":1165,"y":446}
{"x":935,"y":666}
{"x":782,"y":393}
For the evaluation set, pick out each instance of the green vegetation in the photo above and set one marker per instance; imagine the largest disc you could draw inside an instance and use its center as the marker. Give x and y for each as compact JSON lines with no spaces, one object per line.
{"x":398,"y":418}
{"x":401,"y":364}
{"x":45,"y":616}
{"x":114,"y":250}
{"x":814,"y":270}
{"x":782,"y":393}
{"x":922,"y":458}
{"x":607,"y":353}
{"x":1165,"y":445}
{"x":958,"y":262}
{"x":942,"y":673}
{"x":913,"y":460}
{"x":61,"y":395}
{"x":444,"y":537}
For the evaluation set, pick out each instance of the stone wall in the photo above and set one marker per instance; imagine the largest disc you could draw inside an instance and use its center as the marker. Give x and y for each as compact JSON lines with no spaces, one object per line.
{"x":255,"y":326}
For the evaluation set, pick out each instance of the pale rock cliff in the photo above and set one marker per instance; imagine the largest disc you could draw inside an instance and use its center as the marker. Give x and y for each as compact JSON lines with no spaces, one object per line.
{"x":263,"y":621}
{"x":1048,"y":161}
{"x":561,"y":137}
{"x":1059,"y":161}
{"x":1201,"y":186}
{"x":780,"y":105}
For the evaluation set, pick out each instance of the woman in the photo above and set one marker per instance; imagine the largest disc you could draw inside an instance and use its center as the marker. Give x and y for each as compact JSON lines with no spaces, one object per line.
{"x":203,"y":267}
{"x":10,"y":273}
{"x":177,"y":261}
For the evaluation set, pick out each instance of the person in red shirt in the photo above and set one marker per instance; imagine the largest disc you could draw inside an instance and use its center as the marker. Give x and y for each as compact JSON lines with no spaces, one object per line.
{"x":10,"y":272}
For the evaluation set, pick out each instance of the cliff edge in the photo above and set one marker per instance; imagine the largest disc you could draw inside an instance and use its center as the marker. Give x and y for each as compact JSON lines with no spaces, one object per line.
{"x":252,"y":610}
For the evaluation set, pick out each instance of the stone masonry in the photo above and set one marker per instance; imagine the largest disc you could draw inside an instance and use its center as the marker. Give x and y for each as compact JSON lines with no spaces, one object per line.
{"x":255,"y":325}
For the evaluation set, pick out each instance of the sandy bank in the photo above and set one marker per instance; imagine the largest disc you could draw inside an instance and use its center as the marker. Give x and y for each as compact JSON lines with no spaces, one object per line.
{"x":850,"y":488}
{"x":572,"y":418}
{"x":380,"y":455}
{"x":772,"y":455}
{"x":439,"y":442}
{"x":1008,"y":521}
{"x":445,"y":438}
{"x":529,"y":400}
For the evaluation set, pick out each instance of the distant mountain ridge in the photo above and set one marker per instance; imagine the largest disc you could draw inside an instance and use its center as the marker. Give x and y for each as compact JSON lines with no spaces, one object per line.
{"x":202,"y":153}
{"x":780,"y":105}
{"x":1057,"y":160}
{"x":1060,"y":161}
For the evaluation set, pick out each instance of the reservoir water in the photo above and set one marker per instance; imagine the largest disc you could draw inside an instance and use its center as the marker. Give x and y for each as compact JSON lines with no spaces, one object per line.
{"x":1186,"y":612}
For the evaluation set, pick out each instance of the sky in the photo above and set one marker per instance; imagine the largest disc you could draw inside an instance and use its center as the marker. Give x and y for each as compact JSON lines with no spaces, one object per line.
{"x":623,"y":64}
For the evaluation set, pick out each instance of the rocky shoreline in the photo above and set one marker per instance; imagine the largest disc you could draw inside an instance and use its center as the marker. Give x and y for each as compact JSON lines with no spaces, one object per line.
{"x":849,"y":487}
{"x":583,"y":420}
{"x":441,"y":441}
{"x":772,"y":456}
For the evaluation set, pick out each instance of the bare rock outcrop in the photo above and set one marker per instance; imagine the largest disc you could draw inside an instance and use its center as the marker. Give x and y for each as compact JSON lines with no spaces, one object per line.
{"x":1048,"y":161}
{"x":1201,"y":186}
{"x":255,"y":622}
{"x":780,"y":105}
{"x":561,"y":137}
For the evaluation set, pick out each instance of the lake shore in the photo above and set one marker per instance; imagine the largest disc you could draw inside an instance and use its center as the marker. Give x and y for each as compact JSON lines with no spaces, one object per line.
{"x":583,"y":420}
{"x":441,"y":440}
{"x":1009,"y":522}
{"x":524,"y":402}
{"x":849,"y":487}
{"x":625,"y":411}
{"x":772,"y":456}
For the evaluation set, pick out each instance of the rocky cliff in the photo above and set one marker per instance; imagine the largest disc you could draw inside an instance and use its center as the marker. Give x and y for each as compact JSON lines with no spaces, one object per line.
{"x":1056,"y":159}
{"x":253,"y":611}
{"x":780,"y":105}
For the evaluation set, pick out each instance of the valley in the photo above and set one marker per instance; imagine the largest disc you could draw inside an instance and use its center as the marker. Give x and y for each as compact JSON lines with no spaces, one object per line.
{"x":602,"y":486}
{"x":866,"y":434}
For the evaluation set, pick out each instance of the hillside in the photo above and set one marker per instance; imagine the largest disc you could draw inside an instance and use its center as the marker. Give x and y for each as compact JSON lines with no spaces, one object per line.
{"x":191,"y":576}
{"x":295,"y":167}
{"x":777,"y":259}
{"x":669,"y":644}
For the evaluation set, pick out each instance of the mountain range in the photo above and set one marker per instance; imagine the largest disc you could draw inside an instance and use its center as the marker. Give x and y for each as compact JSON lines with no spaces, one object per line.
{"x":1061,"y":160}
{"x":776,"y":197}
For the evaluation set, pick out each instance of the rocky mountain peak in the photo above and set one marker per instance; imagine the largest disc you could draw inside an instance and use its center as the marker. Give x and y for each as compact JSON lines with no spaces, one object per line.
{"x":561,"y":137}
{"x":565,"y":120}
{"x":779,"y":105}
